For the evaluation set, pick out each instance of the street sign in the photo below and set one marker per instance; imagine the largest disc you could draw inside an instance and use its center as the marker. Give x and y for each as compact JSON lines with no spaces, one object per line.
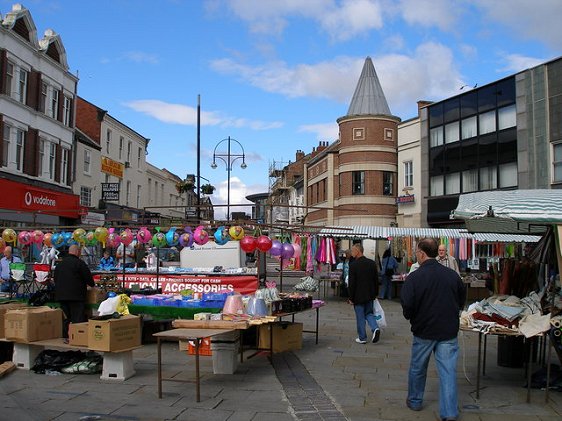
{"x":110,"y":191}
{"x":190,"y":211}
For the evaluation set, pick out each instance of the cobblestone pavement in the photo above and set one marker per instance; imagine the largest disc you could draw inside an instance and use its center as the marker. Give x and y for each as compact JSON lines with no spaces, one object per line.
{"x":337,"y":379}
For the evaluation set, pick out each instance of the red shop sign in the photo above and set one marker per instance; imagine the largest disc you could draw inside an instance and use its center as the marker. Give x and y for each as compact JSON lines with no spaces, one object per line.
{"x":19,"y":196}
{"x":171,"y":284}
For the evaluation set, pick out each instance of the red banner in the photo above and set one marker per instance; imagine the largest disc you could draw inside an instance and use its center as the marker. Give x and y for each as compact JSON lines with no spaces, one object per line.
{"x":175,"y":283}
{"x":19,"y":196}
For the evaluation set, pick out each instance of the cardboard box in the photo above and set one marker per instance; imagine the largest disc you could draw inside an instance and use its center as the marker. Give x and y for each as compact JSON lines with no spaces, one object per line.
{"x":78,"y":334}
{"x":286,"y":336}
{"x":95,"y":296}
{"x":114,"y":334}
{"x":33,"y":324}
{"x":3,"y":309}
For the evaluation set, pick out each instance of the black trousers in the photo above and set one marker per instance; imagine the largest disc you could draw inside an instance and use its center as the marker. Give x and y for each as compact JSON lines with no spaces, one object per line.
{"x":75,"y":312}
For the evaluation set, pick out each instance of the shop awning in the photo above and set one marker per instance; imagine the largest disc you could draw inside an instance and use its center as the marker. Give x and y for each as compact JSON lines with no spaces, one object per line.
{"x":512,"y":211}
{"x":374,"y":232}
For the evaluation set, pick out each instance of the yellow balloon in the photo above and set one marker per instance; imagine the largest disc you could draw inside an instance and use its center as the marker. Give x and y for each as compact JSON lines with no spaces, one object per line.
{"x":101,"y":234}
{"x":9,"y":235}
{"x":79,"y":235}
{"x":236,"y":232}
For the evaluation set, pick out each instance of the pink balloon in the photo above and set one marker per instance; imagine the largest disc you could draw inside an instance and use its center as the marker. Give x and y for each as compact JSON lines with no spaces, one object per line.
{"x":126,"y":236}
{"x":38,"y":237}
{"x":200,"y":236}
{"x":144,"y":235}
{"x":25,"y":238}
{"x":297,"y":250}
{"x":276,"y":248}
{"x":113,"y":239}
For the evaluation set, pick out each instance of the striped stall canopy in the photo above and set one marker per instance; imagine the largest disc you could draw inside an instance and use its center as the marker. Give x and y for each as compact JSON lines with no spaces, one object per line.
{"x":373,"y":232}
{"x":511,"y":211}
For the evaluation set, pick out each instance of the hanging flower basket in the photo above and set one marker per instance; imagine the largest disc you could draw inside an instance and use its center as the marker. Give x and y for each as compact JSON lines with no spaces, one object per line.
{"x":184,"y":186}
{"x":207,"y":189}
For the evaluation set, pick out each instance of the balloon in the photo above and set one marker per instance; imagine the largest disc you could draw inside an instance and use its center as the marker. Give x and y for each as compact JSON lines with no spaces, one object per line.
{"x":287,"y":250}
{"x":37,"y":237}
{"x":297,"y":250}
{"x":159,"y":239}
{"x":57,"y":240}
{"x":126,"y":236}
{"x":2,"y":245}
{"x":9,"y":235}
{"x":172,"y":237}
{"x":24,"y":238}
{"x":113,"y":239}
{"x":200,"y":236}
{"x":276,"y":248}
{"x":91,"y":238}
{"x":264,"y":243}
{"x":79,"y":235}
{"x":248,"y":243}
{"x":67,"y":236}
{"x":236,"y":232}
{"x":101,"y":234}
{"x":47,"y":239}
{"x":144,"y":235}
{"x":186,"y":239}
{"x":221,"y":236}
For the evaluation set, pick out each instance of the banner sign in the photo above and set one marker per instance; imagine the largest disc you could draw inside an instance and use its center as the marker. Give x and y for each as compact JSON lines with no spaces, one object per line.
{"x":111,"y":167}
{"x":110,"y":191}
{"x":410,"y":198}
{"x":171,"y":284}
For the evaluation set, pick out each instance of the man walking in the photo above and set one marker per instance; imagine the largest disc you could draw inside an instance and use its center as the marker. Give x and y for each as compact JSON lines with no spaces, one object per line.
{"x":446,"y":260}
{"x":6,"y":275}
{"x":363,"y":289}
{"x":72,"y":277}
{"x":432,"y":298}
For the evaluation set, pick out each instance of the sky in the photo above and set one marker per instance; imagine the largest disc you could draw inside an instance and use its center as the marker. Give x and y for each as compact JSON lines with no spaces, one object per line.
{"x":275,"y":75}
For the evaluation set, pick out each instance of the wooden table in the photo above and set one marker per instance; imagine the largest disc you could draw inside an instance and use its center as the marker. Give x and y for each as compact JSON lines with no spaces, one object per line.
{"x":185,"y":334}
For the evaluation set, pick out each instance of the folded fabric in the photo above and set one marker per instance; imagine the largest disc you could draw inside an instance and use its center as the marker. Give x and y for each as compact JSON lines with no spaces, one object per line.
{"x":534,"y":324}
{"x":507,"y":312}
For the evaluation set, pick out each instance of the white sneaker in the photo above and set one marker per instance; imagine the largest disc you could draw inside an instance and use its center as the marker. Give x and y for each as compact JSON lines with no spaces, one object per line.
{"x":376,"y":335}
{"x":359,"y":341}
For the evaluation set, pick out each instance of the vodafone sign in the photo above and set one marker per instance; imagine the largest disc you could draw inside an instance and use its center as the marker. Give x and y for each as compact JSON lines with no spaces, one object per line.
{"x":19,"y":196}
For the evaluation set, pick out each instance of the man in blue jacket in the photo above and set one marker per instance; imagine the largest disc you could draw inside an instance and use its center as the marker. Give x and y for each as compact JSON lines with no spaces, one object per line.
{"x":363,"y":289}
{"x":432,"y":298}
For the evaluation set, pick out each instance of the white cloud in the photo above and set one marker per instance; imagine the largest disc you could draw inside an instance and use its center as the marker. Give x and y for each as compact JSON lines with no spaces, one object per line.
{"x":342,"y":20}
{"x":183,"y":114}
{"x":539,"y":20}
{"x":337,"y":79}
{"x":440,"y":13}
{"x":238,"y":193}
{"x":515,"y":63}
{"x":326,"y":131}
{"x":141,"y":57}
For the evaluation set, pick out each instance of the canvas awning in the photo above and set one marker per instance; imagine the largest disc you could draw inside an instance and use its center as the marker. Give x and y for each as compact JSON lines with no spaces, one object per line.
{"x":511,"y":211}
{"x":374,"y":232}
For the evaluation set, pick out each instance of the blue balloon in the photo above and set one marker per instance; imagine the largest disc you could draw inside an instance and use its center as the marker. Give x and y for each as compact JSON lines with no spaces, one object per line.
{"x":172,"y":237}
{"x":111,"y":294}
{"x":221,"y":236}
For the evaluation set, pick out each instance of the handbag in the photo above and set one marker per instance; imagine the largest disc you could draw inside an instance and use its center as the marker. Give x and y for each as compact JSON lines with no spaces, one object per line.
{"x":379,"y":314}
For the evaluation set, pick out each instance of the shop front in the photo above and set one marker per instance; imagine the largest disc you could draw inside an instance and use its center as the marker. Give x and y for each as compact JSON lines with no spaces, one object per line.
{"x":23,"y":204}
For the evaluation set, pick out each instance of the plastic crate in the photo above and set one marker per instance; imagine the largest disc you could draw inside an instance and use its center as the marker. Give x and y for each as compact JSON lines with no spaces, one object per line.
{"x":204,"y":347}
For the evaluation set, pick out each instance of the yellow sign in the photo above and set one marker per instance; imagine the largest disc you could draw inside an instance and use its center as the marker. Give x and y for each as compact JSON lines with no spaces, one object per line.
{"x":109,"y":166}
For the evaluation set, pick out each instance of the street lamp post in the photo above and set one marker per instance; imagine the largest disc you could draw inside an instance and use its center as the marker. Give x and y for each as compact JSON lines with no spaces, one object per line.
{"x":228,"y":160}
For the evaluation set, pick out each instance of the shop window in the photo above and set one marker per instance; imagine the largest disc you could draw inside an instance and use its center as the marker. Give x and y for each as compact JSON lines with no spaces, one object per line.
{"x":387,"y":184}
{"x":557,"y":170}
{"x":436,"y":136}
{"x":358,"y":182}
{"x":507,"y":117}
{"x":453,"y":183}
{"x":487,"y":122}
{"x":508,"y":175}
{"x":468,"y":127}
{"x":85,"y":196}
{"x":488,"y":178}
{"x":436,"y":186}
{"x":452,"y":132}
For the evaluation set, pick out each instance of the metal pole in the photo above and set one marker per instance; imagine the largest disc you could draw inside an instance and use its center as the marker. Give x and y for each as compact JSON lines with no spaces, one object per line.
{"x":198,"y":159}
{"x":228,"y":164}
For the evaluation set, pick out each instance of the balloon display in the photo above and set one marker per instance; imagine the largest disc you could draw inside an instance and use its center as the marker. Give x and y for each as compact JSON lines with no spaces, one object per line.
{"x":24,"y":238}
{"x":9,"y":235}
{"x":221,"y":236}
{"x":47,"y":239}
{"x":172,"y":237}
{"x":38,"y":237}
{"x":236,"y":232}
{"x":186,"y":239}
{"x":287,"y":251}
{"x":126,"y":236}
{"x":249,"y":243}
{"x":79,"y":235}
{"x":276,"y":248}
{"x":143,"y":235}
{"x":263,"y":243}
{"x":200,"y":235}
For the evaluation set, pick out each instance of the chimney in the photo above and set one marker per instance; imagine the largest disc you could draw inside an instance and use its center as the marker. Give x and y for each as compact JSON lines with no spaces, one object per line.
{"x":422,"y":104}
{"x":299,"y":155}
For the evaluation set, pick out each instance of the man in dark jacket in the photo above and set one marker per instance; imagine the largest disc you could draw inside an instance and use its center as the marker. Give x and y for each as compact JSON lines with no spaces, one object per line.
{"x":72,"y":277}
{"x":363,"y":289}
{"x":432,"y":298}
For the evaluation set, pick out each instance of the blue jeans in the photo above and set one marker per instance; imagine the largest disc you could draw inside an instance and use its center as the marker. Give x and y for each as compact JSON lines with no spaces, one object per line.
{"x":446,"y":354}
{"x":386,"y":287}
{"x":364,"y":312}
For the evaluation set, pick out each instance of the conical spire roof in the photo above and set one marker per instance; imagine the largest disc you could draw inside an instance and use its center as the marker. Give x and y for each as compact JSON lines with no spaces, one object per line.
{"x":368,"y":98}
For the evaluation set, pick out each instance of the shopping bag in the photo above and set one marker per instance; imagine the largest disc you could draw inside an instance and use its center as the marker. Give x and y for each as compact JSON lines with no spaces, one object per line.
{"x":379,"y":314}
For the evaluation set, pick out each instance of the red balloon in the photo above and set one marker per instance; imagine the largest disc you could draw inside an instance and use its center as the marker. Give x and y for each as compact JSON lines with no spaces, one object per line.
{"x":264,"y":243}
{"x":248,"y":243}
